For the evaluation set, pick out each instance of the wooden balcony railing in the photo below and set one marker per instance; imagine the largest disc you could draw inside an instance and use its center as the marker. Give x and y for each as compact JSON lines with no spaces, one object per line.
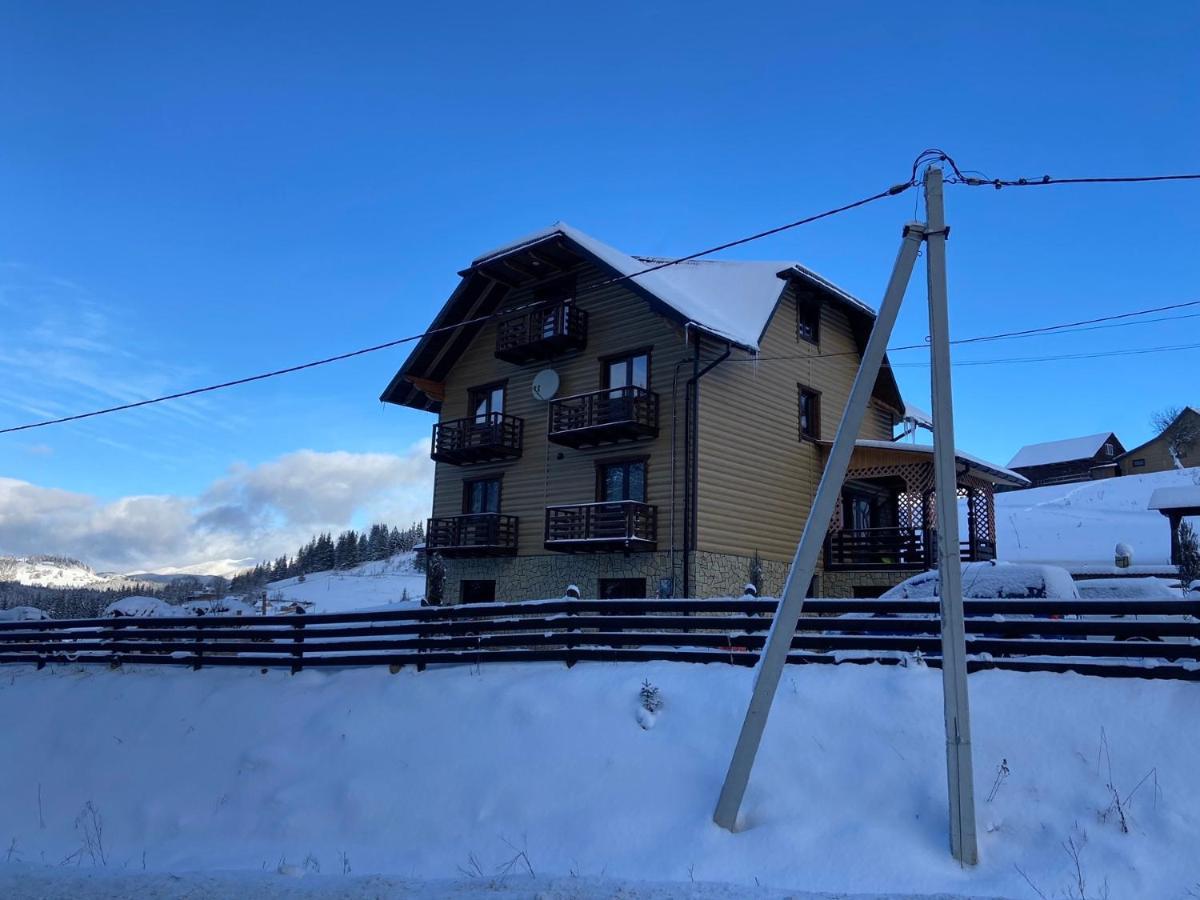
{"x":903,"y":549}
{"x":604,"y":417}
{"x":541,"y":333}
{"x":475,"y":534}
{"x":478,"y":439}
{"x":619,"y":525}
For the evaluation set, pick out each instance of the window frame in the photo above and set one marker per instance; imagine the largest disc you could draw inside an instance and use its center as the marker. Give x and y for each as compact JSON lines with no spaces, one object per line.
{"x":626,"y":461}
{"x":1139,"y":463}
{"x":487,"y":389}
{"x":469,"y":483}
{"x":627,"y":356}
{"x":808,"y":306}
{"x":815,"y":433}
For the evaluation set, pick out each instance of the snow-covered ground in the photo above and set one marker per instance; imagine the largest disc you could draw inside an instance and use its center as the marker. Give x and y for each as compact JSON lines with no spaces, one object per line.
{"x":1079,"y":525}
{"x":368,"y":586}
{"x":434,"y":775}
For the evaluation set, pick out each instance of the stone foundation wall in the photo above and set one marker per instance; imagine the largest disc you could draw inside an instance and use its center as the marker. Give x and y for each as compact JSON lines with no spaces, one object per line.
{"x":842,"y":584}
{"x":712,"y":574}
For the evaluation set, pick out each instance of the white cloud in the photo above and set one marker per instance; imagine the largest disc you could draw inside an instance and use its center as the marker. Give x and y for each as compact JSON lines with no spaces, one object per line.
{"x":253,"y":511}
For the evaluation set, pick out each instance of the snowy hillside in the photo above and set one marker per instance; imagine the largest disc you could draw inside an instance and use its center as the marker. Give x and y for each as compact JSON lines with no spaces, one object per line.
{"x":1080,"y":524}
{"x":366,"y":586}
{"x":434,"y":774}
{"x":55,"y":571}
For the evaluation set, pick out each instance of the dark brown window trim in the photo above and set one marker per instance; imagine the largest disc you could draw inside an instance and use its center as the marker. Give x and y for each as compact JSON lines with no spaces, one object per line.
{"x":808,"y":306}
{"x":801,"y":390}
{"x":643,"y":458}
{"x":473,"y":392}
{"x":466,"y":491}
{"x":647,"y":352}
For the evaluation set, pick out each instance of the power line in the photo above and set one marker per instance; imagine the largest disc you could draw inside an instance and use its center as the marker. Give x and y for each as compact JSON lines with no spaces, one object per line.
{"x":889,"y":192}
{"x":979,"y":179}
{"x":1132,"y":351}
{"x":1116,"y":320}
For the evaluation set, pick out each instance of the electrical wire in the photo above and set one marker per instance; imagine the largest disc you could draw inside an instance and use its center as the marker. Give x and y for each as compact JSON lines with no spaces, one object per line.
{"x":894,"y":190}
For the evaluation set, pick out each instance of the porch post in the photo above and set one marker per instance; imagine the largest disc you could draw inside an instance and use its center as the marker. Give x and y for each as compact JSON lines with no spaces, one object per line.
{"x":783,"y":626}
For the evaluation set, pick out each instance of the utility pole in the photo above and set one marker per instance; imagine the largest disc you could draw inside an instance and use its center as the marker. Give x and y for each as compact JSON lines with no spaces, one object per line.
{"x":783,"y":626}
{"x":960,"y":775}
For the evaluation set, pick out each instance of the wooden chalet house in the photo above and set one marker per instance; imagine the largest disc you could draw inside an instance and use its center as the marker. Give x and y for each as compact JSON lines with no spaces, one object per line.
{"x":1072,"y":459}
{"x":1177,"y":447}
{"x":661,"y":434}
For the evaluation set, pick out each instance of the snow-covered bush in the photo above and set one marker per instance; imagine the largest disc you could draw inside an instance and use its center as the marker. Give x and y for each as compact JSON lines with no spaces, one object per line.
{"x":650,"y":703}
{"x":1189,"y":553}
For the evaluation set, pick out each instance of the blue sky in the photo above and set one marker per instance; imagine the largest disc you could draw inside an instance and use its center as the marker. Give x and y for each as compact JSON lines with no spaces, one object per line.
{"x":193,"y":192}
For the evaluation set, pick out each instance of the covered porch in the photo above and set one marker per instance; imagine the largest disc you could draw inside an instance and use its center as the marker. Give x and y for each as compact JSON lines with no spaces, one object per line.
{"x":886,"y":517}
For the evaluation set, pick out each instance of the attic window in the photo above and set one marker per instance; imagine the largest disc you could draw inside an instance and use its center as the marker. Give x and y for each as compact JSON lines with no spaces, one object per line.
{"x":808,"y":320}
{"x":1109,"y":449}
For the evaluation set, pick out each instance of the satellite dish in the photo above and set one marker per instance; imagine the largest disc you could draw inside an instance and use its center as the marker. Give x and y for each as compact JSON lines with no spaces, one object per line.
{"x":545,"y":384}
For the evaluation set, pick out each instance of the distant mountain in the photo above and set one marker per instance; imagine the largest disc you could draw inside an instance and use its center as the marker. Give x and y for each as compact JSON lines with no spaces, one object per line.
{"x":45,"y":570}
{"x":57,"y":572}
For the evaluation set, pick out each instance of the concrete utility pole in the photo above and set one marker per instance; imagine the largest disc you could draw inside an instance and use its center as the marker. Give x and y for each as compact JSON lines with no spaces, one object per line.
{"x":783,"y":627}
{"x":959,"y":770}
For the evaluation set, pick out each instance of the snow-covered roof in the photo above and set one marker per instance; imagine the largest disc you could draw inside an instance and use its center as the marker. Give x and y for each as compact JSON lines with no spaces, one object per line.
{"x":998,"y":473}
{"x":1183,"y":496}
{"x":1067,"y":450}
{"x":733,"y":299}
{"x":918,"y":416}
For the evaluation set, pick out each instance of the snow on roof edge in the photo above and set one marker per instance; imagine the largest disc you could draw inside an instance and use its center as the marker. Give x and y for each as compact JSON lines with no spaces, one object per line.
{"x":1065,"y":450}
{"x":1015,"y":478}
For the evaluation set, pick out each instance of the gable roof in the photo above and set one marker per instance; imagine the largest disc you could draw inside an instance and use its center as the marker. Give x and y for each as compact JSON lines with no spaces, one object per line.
{"x":1186,"y":411}
{"x":731,"y":300}
{"x":1067,"y":450}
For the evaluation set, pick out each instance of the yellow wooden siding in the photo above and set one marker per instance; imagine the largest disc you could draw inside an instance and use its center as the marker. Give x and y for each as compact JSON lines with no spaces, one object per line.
{"x":757,"y":478}
{"x":549,"y":474}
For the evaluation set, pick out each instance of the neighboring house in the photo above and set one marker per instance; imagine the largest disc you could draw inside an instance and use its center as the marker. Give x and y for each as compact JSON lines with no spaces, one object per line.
{"x":661,"y":434}
{"x":1178,"y":447}
{"x":1073,"y":459}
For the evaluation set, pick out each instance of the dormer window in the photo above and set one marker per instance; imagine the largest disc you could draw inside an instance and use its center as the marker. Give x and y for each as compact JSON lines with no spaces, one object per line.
{"x":808,"y":320}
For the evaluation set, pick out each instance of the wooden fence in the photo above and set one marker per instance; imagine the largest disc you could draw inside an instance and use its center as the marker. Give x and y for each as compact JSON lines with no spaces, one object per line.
{"x":1148,"y":639}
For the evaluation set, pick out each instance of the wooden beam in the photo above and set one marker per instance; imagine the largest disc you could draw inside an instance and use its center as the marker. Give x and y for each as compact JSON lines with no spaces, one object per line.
{"x":434,"y":390}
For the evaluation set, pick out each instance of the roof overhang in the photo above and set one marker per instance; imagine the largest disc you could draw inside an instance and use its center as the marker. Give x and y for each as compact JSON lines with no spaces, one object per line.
{"x":965,"y":462}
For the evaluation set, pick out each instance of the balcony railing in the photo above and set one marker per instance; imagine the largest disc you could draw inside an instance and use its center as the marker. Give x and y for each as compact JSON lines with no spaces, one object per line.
{"x":619,"y":525}
{"x":541,"y":333}
{"x":475,"y":534}
{"x":896,"y":549}
{"x":494,"y":436}
{"x":604,"y":417}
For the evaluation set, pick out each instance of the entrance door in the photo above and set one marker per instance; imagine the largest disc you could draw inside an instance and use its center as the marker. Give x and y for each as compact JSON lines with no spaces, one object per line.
{"x":622,"y":588}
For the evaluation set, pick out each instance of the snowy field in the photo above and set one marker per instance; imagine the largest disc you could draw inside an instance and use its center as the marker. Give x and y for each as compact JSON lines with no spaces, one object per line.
{"x":367,"y":586}
{"x":1080,"y":524}
{"x":123,"y":782}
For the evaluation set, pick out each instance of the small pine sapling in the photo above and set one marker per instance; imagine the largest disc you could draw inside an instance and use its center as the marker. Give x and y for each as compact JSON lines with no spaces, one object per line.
{"x":1002,"y":773}
{"x":650,"y":702}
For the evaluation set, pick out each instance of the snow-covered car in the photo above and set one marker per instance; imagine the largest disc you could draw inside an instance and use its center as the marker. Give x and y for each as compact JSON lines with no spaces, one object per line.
{"x":226,"y":606}
{"x":1148,"y":588}
{"x":23,"y":614}
{"x":142,"y":607}
{"x":994,"y":580}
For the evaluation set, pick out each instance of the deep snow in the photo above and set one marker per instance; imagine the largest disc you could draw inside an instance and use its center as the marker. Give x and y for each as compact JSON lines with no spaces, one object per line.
{"x":417,"y":774}
{"x":367,"y":586}
{"x":1080,"y":524}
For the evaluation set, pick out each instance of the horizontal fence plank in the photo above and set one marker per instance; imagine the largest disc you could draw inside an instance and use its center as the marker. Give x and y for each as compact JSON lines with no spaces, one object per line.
{"x":1110,"y":637}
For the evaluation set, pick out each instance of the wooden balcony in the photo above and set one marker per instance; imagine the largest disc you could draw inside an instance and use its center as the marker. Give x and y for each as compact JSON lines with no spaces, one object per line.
{"x":584,"y":527}
{"x":893,"y":549}
{"x":477,"y":439}
{"x":476,"y":534}
{"x":541,"y":333}
{"x":604,"y":417}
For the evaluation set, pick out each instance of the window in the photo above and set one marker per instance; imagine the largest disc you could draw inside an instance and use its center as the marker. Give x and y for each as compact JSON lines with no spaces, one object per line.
{"x":810,"y":413}
{"x":624,"y":480}
{"x":1139,"y":464}
{"x":486,"y":401}
{"x":476,"y":591}
{"x":555,"y":315}
{"x":622,"y":589}
{"x":1109,"y":449}
{"x":627,"y":371}
{"x":808,"y":320}
{"x":481,"y":495}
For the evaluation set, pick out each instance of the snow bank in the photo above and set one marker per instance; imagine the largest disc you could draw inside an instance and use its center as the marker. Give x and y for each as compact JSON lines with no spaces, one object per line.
{"x":367,"y":586}
{"x":1071,"y":524}
{"x":23,"y":614}
{"x":151,"y":607}
{"x":416,"y":775}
